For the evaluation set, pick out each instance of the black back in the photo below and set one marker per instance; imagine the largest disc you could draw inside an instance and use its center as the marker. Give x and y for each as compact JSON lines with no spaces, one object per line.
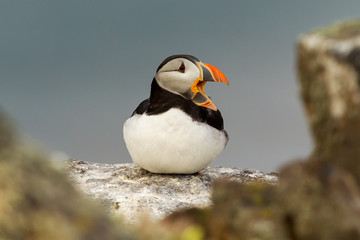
{"x":162,"y":100}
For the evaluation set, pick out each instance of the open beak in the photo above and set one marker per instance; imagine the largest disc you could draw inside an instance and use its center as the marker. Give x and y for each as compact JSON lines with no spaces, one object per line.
{"x":207,"y":73}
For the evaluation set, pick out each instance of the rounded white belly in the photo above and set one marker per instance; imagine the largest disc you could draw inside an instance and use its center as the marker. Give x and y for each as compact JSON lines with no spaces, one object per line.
{"x":172,"y":142}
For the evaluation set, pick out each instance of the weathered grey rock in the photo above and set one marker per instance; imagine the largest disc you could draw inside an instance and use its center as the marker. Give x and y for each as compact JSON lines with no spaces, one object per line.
{"x":329,"y":76}
{"x":129,"y":190}
{"x":323,"y":192}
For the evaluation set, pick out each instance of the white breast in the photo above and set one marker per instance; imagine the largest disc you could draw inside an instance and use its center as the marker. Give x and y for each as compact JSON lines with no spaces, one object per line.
{"x":172,"y":142}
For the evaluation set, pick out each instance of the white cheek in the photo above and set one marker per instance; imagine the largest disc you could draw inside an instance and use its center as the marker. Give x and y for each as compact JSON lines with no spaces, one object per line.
{"x":177,"y":82}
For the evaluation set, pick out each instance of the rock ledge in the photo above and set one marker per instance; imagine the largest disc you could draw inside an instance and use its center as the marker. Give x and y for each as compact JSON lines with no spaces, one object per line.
{"x":128,"y":190}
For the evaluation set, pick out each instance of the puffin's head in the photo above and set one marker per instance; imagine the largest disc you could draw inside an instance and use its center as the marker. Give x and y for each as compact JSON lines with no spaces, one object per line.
{"x":185,"y":75}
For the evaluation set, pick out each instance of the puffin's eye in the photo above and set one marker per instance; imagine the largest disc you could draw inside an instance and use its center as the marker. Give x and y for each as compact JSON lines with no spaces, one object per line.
{"x":182,"y":68}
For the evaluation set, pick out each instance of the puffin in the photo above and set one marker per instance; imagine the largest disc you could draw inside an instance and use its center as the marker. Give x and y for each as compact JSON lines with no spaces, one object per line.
{"x":178,"y":129}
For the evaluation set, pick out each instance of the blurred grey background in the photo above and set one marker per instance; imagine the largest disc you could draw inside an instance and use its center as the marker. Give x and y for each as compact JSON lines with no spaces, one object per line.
{"x":72,"y":71}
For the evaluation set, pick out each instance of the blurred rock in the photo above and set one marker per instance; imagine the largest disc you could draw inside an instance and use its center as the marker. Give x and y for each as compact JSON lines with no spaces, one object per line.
{"x":318,"y":202}
{"x":329,"y":76}
{"x":37,"y":202}
{"x":320,"y":198}
{"x":239,"y":211}
{"x":7,"y":134}
{"x":131,"y":191}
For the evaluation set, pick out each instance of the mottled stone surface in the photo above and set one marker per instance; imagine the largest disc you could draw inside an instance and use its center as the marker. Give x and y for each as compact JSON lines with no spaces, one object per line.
{"x":129,"y":190}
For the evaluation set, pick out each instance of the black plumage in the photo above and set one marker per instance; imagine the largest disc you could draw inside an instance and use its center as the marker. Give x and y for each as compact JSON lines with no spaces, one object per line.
{"x":162,"y":100}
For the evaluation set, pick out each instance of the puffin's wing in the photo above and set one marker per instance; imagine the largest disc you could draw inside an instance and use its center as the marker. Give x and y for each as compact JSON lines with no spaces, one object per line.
{"x":213,"y":118}
{"x":142,"y":107}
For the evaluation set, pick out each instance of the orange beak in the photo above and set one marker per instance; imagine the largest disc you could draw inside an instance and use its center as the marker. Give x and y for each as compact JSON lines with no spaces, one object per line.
{"x":207,"y":73}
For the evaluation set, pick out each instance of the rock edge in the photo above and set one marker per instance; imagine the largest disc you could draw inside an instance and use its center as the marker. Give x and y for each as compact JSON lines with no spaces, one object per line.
{"x":128,"y":190}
